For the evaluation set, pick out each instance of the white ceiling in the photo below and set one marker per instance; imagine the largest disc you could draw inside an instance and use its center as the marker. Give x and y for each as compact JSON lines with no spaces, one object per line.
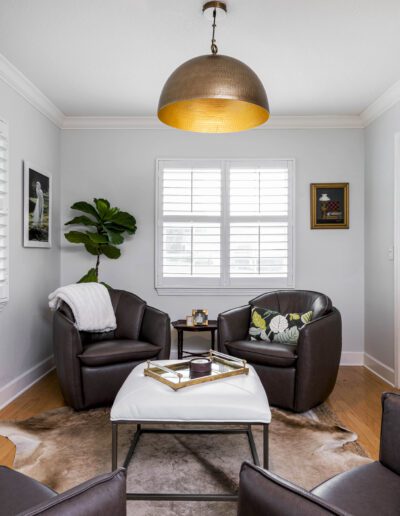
{"x":112,"y":57}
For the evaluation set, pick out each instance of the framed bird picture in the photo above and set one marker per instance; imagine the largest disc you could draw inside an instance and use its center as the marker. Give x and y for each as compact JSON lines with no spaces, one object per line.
{"x":37,"y":207}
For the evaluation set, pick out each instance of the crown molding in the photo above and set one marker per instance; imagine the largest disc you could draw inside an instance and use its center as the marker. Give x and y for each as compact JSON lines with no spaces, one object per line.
{"x":387,"y":100}
{"x":152,"y":122}
{"x":113,"y":122}
{"x":312,"y":122}
{"x":22,"y":85}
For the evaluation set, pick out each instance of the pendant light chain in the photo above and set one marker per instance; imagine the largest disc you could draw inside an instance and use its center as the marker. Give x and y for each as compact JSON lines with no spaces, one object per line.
{"x":214,"y":48}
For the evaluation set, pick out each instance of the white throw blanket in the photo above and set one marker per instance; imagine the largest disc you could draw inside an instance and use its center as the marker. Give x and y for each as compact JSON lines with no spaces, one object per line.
{"x":90,"y":303}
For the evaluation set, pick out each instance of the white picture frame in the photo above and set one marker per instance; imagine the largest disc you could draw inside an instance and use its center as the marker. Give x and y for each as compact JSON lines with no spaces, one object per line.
{"x":37,"y":207}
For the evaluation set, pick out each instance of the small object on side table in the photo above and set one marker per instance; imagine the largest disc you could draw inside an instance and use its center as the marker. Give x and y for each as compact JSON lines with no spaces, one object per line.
{"x":200,"y":367}
{"x":181,"y":326}
{"x":200,"y":316}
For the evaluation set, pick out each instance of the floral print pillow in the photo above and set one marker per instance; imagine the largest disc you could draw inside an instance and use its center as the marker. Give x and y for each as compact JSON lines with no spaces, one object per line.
{"x":271,"y":326}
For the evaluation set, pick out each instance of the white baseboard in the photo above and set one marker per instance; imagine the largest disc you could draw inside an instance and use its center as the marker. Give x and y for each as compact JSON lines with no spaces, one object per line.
{"x":377,"y":367}
{"x":352,"y":358}
{"x":16,"y":387}
{"x":358,"y":358}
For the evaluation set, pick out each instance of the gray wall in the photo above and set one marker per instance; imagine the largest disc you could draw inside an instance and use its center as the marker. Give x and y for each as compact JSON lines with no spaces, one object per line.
{"x":379,"y":219}
{"x":120,"y":165}
{"x":25,"y":332}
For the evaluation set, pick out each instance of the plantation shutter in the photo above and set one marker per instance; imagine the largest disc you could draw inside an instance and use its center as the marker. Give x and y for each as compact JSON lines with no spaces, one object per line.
{"x":260,"y":221}
{"x":224,"y":224}
{"x":189,"y":225}
{"x":4,"y":228}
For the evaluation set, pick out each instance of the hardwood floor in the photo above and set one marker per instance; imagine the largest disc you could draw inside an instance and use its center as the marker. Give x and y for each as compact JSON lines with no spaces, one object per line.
{"x":355,"y":400}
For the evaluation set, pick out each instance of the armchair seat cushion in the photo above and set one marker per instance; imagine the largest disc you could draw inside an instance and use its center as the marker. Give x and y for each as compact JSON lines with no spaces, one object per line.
{"x":366,"y":490}
{"x":258,"y":352}
{"x":18,"y":492}
{"x":115,"y":351}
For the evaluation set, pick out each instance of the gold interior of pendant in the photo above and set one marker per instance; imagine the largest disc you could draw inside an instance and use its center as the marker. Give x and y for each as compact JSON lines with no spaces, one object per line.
{"x":211,"y":115}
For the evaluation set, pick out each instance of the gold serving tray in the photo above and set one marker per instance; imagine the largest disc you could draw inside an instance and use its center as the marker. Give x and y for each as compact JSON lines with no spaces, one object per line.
{"x":177,"y":375}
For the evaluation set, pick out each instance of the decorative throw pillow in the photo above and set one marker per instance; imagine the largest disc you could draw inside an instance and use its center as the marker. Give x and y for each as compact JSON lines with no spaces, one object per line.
{"x":272,"y":326}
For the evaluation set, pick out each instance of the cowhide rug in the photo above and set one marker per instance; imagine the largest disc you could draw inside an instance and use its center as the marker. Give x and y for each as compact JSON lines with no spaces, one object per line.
{"x":63,"y":448}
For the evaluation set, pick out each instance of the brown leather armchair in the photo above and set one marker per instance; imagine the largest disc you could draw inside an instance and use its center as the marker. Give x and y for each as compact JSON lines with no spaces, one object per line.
{"x":24,"y":496}
{"x":91,"y":367}
{"x":370,"y":490}
{"x":294,"y":377}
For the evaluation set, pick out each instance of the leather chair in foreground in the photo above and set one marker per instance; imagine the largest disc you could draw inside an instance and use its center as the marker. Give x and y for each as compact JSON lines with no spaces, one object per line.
{"x":370,"y":490}
{"x":91,"y":367}
{"x":24,"y":496}
{"x":295,"y":377}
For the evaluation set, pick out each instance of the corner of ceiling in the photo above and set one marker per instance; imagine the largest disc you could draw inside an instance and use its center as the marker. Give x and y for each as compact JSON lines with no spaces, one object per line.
{"x":22,"y":85}
{"x":387,"y":100}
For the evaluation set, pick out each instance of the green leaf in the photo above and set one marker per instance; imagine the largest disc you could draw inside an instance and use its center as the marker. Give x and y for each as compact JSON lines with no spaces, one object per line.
{"x":86,"y":208}
{"x":106,"y":285}
{"x":77,"y":237}
{"x":89,"y":277}
{"x":111,"y":251}
{"x":125,"y":220}
{"x":93,"y":248}
{"x":258,"y":321}
{"x":82,"y":220}
{"x":102,"y":206}
{"x":288,"y":335}
{"x":131,"y":231}
{"x":115,"y":237}
{"x":121,"y":229}
{"x":97,"y":238}
{"x":113,"y":227}
{"x":306,"y":318}
{"x":112,"y":212}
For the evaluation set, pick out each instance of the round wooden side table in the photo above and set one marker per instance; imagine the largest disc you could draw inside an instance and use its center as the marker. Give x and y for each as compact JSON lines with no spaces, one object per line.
{"x":181,"y":326}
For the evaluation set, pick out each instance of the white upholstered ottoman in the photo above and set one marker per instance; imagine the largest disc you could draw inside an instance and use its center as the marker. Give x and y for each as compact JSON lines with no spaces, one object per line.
{"x":238,"y":401}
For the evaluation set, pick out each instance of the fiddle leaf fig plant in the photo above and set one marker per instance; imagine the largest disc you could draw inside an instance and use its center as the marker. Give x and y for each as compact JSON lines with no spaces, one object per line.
{"x":107,"y":228}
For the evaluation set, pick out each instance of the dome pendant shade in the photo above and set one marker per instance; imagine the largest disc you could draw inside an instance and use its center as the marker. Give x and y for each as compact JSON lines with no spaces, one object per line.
{"x":213,"y":94}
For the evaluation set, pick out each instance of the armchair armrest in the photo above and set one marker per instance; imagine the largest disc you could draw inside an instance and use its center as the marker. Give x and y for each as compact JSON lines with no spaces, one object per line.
{"x":67,"y":346}
{"x":262,"y":492}
{"x":105,"y":494}
{"x":389,"y":454}
{"x":319,"y":350}
{"x":156,"y":329}
{"x":233,"y":325}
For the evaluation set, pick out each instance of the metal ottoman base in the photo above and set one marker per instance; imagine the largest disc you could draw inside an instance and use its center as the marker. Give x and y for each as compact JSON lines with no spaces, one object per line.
{"x":187,"y":496}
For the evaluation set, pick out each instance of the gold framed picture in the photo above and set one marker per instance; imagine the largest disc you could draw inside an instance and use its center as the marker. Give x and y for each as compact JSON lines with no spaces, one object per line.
{"x":329,"y":205}
{"x":200,"y":317}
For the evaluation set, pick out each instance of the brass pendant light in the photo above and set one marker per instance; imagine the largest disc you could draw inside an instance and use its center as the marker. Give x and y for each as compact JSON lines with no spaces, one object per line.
{"x":213,"y":93}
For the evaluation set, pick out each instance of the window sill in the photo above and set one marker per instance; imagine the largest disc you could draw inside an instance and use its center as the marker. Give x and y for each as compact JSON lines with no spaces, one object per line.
{"x":218,"y":291}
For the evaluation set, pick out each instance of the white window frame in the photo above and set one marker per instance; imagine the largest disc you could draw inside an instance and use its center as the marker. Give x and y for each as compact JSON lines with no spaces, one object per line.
{"x":5,"y":220}
{"x":224,"y":285}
